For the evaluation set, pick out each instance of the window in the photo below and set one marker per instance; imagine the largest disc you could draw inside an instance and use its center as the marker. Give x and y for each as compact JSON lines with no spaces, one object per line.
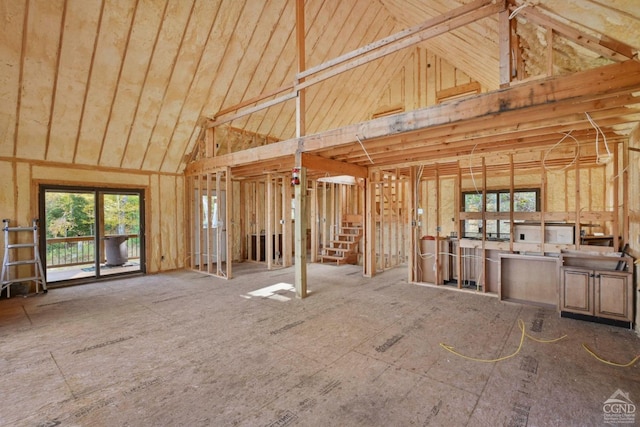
{"x":497,"y":201}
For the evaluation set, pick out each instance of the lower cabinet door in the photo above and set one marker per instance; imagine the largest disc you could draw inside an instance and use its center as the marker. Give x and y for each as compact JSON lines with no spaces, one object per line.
{"x":576,"y":293}
{"x":613,"y":295}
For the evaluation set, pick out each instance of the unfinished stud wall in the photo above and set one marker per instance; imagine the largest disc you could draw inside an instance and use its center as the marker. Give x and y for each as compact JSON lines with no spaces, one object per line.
{"x":164,"y":202}
{"x":633,"y":171}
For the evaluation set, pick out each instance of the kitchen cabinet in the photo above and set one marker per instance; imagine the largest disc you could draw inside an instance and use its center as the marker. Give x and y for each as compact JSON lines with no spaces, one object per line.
{"x":589,"y":290}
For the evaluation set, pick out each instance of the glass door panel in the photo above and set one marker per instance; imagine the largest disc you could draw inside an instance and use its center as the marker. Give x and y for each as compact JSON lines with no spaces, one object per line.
{"x":120,"y":225}
{"x":70,"y":234}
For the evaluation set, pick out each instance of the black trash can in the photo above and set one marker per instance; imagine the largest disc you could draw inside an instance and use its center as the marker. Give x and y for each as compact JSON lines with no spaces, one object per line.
{"x":115,"y":248}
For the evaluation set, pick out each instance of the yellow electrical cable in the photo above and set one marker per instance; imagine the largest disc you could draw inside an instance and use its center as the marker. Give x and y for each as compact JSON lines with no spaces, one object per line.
{"x":524,"y":334}
{"x":626,"y":365}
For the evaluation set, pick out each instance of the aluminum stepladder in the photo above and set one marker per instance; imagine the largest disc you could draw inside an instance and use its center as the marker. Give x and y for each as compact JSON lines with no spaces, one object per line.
{"x":38,"y":273}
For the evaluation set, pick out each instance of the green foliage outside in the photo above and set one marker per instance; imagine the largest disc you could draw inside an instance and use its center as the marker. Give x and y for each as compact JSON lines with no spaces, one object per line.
{"x":73,"y":215}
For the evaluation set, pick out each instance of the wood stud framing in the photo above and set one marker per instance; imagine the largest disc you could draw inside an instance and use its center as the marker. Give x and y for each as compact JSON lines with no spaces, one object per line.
{"x":430,"y":140}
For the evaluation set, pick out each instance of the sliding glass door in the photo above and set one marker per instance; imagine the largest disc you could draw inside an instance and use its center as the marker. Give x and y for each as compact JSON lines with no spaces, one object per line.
{"x":89,"y":233}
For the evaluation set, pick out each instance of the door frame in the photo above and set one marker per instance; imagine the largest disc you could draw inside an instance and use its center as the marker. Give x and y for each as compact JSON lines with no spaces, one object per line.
{"x":96,"y":190}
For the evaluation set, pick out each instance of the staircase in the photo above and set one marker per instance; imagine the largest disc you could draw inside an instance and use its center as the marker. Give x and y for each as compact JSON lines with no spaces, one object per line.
{"x":344,"y":250}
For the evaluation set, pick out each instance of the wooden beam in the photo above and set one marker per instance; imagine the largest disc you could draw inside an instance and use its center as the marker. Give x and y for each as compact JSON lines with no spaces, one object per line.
{"x":608,"y":48}
{"x":544,"y":93}
{"x":402,"y":43}
{"x":229,"y":222}
{"x":300,"y":225}
{"x":396,"y":37}
{"x":311,"y":161}
{"x":301,"y":93}
{"x":369,"y":262}
{"x":253,"y":100}
{"x":269,"y":220}
{"x":473,"y":87}
{"x":504,"y":46}
{"x":449,"y":21}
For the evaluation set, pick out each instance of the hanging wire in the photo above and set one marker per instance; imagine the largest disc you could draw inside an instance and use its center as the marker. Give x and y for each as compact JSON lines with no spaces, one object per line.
{"x":599,"y":132}
{"x":473,"y":179}
{"x":575,"y":158}
{"x":517,"y":10}
{"x":364,"y":149}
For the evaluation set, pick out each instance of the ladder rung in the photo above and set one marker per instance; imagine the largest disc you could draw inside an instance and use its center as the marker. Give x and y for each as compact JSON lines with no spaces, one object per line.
{"x":24,"y":279}
{"x":20,"y":229}
{"x":21,"y":245}
{"x":25,"y":262}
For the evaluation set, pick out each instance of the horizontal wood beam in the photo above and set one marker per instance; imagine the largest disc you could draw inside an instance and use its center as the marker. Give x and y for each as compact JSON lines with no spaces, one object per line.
{"x":579,"y":87}
{"x":395,"y":37}
{"x":426,"y":34}
{"x":444,"y":23}
{"x":254,"y":100}
{"x":231,"y":117}
{"x":608,"y":48}
{"x":319,"y":163}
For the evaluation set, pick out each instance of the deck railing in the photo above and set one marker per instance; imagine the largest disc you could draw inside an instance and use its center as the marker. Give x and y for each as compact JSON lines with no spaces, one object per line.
{"x":70,"y":251}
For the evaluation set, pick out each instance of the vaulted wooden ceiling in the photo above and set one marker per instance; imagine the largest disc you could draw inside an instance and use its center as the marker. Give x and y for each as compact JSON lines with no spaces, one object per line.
{"x":125,"y":83}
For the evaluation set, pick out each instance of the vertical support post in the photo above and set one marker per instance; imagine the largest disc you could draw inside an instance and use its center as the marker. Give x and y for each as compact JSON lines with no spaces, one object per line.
{"x":549,"y":51}
{"x":413,"y":223}
{"x":483,"y":264}
{"x":314,"y":221}
{"x":192,"y":209}
{"x":218,"y":224}
{"x":209,"y":220}
{"x":578,"y":219}
{"x":300,"y":43}
{"x":268,"y":238}
{"x":200,"y":221}
{"x":625,"y":190}
{"x":437,"y":258}
{"x":616,"y":198}
{"x":370,"y":228}
{"x":511,"y":202}
{"x":459,"y":204}
{"x":301,"y":231}
{"x":287,"y":230}
{"x":229,"y":222}
{"x":505,"y":47}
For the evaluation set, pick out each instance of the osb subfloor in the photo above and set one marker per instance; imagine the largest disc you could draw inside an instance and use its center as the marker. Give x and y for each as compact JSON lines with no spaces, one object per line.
{"x":185,"y":349}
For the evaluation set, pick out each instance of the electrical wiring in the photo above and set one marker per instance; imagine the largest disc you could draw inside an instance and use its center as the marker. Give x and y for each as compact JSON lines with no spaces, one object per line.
{"x":364,"y":149}
{"x":473,"y":179}
{"x":517,"y":9}
{"x":599,"y":132}
{"x":499,"y":359}
{"x":575,"y":158}
{"x":608,"y":362}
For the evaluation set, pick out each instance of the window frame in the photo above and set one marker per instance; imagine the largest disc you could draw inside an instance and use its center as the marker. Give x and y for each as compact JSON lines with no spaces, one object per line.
{"x":496,"y":234}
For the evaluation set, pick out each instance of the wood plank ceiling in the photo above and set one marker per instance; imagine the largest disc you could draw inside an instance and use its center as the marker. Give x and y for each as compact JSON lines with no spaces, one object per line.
{"x":124,"y":83}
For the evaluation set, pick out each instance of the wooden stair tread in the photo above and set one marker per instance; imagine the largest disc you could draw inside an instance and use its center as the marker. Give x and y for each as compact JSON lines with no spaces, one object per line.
{"x":338,"y":249}
{"x":345,"y":242}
